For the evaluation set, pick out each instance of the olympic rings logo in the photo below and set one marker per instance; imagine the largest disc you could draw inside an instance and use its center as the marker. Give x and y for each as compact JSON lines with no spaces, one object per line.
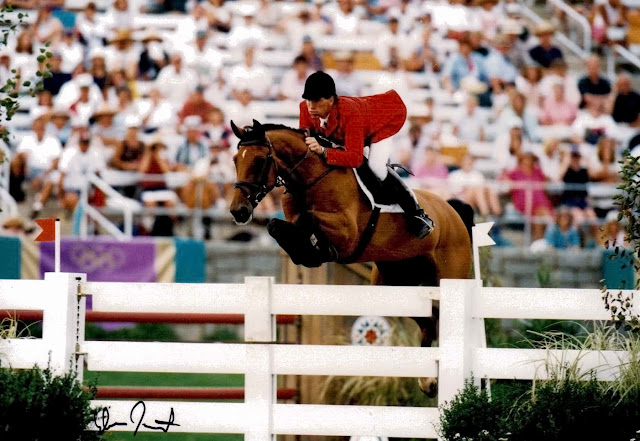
{"x":89,"y":258}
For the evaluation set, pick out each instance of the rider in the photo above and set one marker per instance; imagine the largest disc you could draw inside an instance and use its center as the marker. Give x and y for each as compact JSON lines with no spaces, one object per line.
{"x":356,"y":122}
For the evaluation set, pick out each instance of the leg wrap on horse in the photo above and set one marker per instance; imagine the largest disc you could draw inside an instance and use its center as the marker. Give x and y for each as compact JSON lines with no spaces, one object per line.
{"x":418,"y":222}
{"x":303,"y":242}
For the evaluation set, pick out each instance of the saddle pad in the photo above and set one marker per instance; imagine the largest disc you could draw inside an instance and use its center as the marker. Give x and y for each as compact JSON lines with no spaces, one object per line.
{"x":384,"y":208}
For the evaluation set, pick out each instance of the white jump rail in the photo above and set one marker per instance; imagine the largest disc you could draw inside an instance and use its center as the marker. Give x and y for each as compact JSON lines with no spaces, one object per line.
{"x":463,"y":305}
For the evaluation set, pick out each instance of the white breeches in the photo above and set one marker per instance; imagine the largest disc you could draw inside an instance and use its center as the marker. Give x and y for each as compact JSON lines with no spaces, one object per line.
{"x":379,"y":154}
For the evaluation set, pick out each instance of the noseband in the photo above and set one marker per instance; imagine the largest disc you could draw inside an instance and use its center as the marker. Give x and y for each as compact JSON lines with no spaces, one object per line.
{"x":261,"y":189}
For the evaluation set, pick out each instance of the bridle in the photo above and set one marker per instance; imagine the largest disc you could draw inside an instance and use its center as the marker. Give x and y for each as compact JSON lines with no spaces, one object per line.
{"x":255,"y":192}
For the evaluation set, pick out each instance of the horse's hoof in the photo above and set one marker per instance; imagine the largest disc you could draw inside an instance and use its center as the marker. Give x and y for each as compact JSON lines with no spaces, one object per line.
{"x":429,"y":386}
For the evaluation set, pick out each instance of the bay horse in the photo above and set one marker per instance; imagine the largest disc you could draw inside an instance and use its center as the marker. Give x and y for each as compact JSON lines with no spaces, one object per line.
{"x":327,"y":200}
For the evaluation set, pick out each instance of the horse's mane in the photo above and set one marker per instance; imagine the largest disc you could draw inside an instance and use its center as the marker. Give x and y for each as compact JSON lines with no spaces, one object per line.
{"x":272,"y":126}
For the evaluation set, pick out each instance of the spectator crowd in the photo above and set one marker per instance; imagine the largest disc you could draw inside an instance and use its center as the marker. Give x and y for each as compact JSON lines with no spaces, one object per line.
{"x":142,"y":94}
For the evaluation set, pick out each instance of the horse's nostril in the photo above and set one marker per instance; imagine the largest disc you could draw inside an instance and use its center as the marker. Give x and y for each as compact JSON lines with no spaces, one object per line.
{"x":244,"y":212}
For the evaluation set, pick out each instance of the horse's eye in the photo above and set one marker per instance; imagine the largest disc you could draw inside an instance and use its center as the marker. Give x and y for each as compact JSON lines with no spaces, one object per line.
{"x":259,"y":163}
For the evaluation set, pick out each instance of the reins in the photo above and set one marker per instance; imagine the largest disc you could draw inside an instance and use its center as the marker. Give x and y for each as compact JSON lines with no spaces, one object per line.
{"x":262,"y":188}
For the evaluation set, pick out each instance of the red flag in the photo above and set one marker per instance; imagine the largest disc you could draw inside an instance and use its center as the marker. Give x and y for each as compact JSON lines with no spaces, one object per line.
{"x":48,"y":230}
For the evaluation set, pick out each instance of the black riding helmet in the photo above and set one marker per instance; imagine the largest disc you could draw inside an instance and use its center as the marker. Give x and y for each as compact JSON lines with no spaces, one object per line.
{"x":319,"y":85}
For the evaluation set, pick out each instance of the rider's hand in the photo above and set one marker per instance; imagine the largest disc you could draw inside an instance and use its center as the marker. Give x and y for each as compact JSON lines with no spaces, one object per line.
{"x":313,"y":145}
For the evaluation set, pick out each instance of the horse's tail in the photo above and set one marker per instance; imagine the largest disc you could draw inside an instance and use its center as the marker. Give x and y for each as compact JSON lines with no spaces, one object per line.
{"x":465,"y":211}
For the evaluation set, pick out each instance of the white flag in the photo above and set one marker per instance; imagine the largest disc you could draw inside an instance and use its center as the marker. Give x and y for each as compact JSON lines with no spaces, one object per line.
{"x":481,"y":236}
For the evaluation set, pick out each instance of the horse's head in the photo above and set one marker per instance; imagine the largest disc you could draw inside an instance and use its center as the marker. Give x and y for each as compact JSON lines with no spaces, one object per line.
{"x":256,"y":171}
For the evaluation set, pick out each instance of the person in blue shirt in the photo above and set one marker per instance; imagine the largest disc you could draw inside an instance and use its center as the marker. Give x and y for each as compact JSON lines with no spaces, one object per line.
{"x":499,"y":70}
{"x":465,"y":63}
{"x":562,"y":234}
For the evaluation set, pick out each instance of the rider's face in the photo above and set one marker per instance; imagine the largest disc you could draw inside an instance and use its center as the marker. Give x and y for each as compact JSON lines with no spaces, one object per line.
{"x":320,"y":108}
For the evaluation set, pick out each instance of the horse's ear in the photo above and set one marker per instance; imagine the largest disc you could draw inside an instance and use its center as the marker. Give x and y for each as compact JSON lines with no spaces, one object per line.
{"x":236,"y":130}
{"x":257,"y":128}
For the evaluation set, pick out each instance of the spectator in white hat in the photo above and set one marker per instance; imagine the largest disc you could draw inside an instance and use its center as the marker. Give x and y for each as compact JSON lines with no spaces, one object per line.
{"x":70,"y":91}
{"x":85,"y":105}
{"x":248,"y":32}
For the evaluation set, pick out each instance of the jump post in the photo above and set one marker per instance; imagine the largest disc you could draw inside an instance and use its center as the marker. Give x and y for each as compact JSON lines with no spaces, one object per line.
{"x":463,"y":305}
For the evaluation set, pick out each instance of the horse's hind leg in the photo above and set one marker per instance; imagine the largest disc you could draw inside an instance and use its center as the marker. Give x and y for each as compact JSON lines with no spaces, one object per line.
{"x":418,"y":271}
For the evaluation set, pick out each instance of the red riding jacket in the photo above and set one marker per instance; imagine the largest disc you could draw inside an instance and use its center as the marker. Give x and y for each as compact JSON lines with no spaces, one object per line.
{"x":356,"y":121}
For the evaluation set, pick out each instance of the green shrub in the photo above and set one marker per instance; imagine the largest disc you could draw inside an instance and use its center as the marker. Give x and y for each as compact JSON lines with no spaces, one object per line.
{"x":36,"y":405}
{"x":223,"y":334}
{"x":553,"y":410}
{"x":140,"y":332}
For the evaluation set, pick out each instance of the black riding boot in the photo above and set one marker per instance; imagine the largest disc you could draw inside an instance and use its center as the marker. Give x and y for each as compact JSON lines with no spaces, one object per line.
{"x":418,"y":222}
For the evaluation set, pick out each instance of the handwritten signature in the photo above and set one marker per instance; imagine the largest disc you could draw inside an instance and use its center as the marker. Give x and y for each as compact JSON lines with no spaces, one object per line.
{"x":101,"y":419}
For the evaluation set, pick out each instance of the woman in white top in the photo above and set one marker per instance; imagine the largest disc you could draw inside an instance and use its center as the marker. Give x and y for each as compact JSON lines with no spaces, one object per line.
{"x":469,"y":185}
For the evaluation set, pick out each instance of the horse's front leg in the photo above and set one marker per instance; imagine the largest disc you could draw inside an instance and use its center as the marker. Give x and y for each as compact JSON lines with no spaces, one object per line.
{"x":303,"y":245}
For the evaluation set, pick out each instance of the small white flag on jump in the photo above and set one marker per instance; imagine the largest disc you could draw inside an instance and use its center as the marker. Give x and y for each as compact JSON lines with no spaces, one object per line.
{"x":481,"y":236}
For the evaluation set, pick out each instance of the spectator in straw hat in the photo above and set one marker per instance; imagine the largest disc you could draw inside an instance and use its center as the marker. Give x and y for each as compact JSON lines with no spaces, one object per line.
{"x":544,"y":53}
{"x":104,"y":129}
{"x":59,"y":125}
{"x":122,"y":53}
{"x":153,"y":56}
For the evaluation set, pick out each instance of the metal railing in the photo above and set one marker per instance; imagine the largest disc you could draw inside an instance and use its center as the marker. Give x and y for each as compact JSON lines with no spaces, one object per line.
{"x":128,"y":209}
{"x":615,"y":51}
{"x":581,"y":51}
{"x":580,"y":19}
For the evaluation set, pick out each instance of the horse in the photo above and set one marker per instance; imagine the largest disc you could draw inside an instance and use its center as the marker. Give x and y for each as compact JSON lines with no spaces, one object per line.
{"x":323,"y":203}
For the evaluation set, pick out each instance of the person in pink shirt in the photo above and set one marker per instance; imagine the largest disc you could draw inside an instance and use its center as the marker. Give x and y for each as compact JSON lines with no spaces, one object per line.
{"x":432,"y":173}
{"x":557,"y":109}
{"x":530,"y":199}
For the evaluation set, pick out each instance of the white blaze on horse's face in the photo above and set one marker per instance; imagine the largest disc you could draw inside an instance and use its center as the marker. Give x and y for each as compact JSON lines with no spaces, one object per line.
{"x":250,"y":162}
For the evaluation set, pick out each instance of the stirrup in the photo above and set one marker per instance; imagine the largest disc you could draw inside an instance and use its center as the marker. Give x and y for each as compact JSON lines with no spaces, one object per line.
{"x":419,"y":224}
